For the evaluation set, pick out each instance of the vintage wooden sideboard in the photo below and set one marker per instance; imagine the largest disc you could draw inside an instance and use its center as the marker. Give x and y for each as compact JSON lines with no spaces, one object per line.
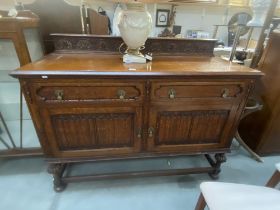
{"x":87,"y":105}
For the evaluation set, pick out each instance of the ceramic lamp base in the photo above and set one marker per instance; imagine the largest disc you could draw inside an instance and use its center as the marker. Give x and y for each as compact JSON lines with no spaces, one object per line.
{"x":135,"y":52}
{"x":129,"y":58}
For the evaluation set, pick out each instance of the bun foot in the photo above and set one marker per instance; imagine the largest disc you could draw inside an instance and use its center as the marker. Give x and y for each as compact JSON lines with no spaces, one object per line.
{"x":214,"y":175}
{"x":59,"y":188}
{"x":57,"y":171}
{"x":216,"y":164}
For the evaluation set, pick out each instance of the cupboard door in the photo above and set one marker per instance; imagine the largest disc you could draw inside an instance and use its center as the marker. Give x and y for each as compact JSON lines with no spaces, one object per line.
{"x":98,"y":131}
{"x":191,"y":127}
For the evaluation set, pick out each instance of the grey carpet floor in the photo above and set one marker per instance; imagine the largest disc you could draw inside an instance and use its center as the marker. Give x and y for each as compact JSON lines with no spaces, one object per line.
{"x":25,"y":184}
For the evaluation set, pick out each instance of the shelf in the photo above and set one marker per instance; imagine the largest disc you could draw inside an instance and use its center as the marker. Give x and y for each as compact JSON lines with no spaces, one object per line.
{"x":226,"y":25}
{"x":209,"y":4}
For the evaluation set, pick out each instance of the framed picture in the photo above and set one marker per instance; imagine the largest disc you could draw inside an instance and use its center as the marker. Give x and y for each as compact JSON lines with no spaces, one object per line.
{"x":162,"y":18}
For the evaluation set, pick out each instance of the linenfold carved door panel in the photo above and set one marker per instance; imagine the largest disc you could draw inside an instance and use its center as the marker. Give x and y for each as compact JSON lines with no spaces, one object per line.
{"x":188,"y":128}
{"x":93,"y":131}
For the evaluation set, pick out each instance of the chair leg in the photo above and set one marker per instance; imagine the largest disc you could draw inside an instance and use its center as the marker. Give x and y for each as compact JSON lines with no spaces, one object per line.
{"x":247,"y":148}
{"x":274,"y":180}
{"x":201,"y":203}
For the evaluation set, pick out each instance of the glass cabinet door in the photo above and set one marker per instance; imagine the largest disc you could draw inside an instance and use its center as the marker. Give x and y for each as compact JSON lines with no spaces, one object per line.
{"x":17,"y":133}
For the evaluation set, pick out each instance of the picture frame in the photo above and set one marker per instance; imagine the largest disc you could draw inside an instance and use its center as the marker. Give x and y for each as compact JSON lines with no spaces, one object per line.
{"x":162,"y":17}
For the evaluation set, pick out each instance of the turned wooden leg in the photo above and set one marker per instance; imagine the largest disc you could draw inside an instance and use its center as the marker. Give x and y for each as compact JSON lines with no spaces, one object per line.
{"x":274,"y":180}
{"x":57,"y":171}
{"x":219,"y":159}
{"x":201,"y":203}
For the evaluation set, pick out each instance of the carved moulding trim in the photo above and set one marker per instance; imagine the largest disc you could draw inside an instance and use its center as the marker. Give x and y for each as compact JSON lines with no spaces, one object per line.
{"x":235,"y":94}
{"x":25,"y":87}
{"x":102,"y":116}
{"x":49,"y":98}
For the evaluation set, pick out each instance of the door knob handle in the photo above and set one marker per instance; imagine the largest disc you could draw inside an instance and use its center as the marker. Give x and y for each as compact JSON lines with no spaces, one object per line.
{"x":172,"y":93}
{"x":121,"y":94}
{"x":59,"y":94}
{"x":225,"y":93}
{"x":151,"y":132}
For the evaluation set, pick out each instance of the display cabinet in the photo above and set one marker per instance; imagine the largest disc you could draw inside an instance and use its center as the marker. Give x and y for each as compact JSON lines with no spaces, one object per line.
{"x":20,"y":44}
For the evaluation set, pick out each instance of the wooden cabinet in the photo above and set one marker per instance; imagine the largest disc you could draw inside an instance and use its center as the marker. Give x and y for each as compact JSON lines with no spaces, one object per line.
{"x":102,"y":109}
{"x":88,"y":118}
{"x":187,"y":116}
{"x":260,"y":130}
{"x":19,"y":44}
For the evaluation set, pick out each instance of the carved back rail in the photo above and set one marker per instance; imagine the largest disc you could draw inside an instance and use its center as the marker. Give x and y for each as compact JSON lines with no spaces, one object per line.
{"x":110,"y":44}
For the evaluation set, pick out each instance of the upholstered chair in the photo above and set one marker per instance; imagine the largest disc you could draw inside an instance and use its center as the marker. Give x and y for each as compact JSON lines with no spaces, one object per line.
{"x":228,"y":196}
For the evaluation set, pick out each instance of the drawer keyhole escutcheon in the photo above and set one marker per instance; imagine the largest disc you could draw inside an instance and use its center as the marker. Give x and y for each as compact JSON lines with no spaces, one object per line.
{"x":225,"y":93}
{"x":172,"y":93}
{"x":59,"y":94}
{"x":121,"y":94}
{"x":151,"y":132}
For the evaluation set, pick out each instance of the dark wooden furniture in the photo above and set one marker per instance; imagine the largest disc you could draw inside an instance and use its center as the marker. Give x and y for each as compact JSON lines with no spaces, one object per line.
{"x":56,"y":16}
{"x":87,"y":105}
{"x":275,"y":179}
{"x":261,"y":130}
{"x":11,"y":28}
{"x":98,"y":24}
{"x":252,"y":106}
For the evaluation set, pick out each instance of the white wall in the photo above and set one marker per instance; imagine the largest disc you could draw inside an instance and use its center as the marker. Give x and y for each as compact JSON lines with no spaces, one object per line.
{"x":189,"y":16}
{"x":199,"y":17}
{"x":192,"y":17}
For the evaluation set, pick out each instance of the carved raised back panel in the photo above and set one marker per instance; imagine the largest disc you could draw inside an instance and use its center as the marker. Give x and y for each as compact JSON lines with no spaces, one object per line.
{"x":110,"y":44}
{"x":190,"y":127}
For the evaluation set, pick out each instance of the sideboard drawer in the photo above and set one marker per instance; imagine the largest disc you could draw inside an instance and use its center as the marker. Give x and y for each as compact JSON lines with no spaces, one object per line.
{"x":192,"y":90}
{"x":67,"y":92}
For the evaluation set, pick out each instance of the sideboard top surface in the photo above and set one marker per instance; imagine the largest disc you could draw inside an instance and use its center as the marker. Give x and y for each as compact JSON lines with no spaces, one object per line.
{"x":94,"y":64}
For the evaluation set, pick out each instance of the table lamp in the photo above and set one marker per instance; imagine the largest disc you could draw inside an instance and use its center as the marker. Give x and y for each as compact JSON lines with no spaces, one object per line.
{"x":135,"y":24}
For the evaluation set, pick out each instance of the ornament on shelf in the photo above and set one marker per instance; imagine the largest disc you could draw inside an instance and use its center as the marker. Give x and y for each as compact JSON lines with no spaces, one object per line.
{"x":260,"y":9}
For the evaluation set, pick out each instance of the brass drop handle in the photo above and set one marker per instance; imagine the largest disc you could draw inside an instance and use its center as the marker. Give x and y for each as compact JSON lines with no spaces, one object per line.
{"x":225,"y":93}
{"x":121,"y":94}
{"x":139,"y":134}
{"x":59,"y":94}
{"x":151,"y":132}
{"x":172,"y":93}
